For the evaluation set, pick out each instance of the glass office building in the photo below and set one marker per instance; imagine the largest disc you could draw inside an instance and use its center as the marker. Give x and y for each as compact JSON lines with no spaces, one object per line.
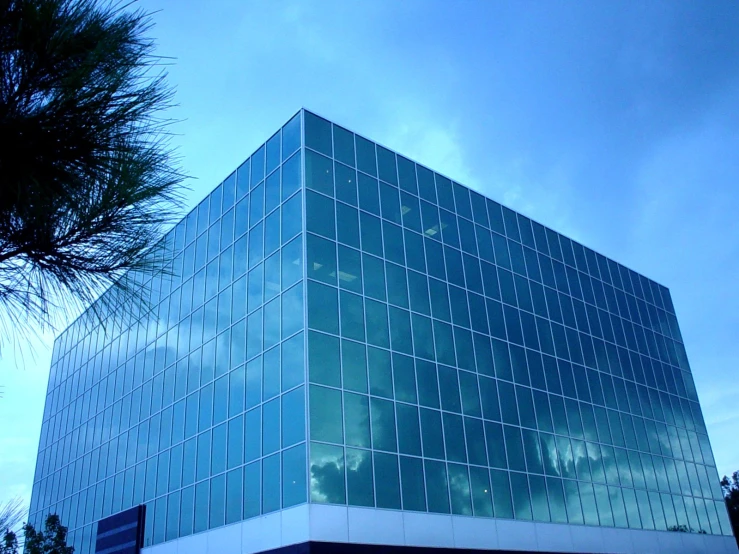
{"x":351,"y":348}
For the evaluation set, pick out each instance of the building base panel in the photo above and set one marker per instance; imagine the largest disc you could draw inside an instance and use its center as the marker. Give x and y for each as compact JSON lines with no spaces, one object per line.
{"x":323,"y":529}
{"x":343,"y":548}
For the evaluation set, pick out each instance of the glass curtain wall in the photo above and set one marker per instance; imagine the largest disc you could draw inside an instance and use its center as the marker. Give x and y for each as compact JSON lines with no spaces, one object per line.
{"x":194,"y":404}
{"x":461,"y":359}
{"x":464,"y":359}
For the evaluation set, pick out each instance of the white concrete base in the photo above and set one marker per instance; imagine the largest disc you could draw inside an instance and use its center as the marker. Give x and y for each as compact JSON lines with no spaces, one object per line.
{"x":318,"y":522}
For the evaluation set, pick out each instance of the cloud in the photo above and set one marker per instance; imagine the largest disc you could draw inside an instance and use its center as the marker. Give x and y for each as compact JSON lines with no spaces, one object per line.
{"x":327,"y":474}
{"x":430,"y":141}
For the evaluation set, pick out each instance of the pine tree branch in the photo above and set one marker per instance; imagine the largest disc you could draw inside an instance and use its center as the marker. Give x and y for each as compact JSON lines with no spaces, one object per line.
{"x":88,"y":180}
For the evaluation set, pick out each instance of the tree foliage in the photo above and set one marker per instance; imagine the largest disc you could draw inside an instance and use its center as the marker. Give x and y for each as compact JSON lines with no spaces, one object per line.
{"x":52,"y":540}
{"x":11,"y":514}
{"x":87,"y":177}
{"x":681,"y":528}
{"x":730,"y":488}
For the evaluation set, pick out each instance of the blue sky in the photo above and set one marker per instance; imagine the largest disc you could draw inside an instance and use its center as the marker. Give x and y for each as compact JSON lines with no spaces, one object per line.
{"x":614,"y":123}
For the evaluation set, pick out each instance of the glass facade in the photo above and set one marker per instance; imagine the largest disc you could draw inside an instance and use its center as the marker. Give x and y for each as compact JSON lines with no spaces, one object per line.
{"x":197,"y":407}
{"x":344,"y":326}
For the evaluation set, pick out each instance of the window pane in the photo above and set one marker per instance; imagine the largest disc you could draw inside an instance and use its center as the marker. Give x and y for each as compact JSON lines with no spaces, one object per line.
{"x":254,"y":382}
{"x":387,"y":488}
{"x":252,"y":490}
{"x":521,"y":499}
{"x":383,"y":425}
{"x":293,"y":417}
{"x":428,"y":387}
{"x":293,"y":362}
{"x":572,"y":500}
{"x":449,"y":386}
{"x":293,"y":476}
{"x":352,"y":315}
{"x":343,"y":145}
{"x":257,"y":166}
{"x":271,"y":228}
{"x":202,"y":464}
{"x":202,"y":504}
{"x":271,"y":484}
{"x":386,"y":165}
{"x":292,"y":310}
{"x":454,"y":438}
{"x":470,"y":394}
{"x":317,"y":133}
{"x":234,"y":495}
{"x":272,"y":320}
{"x":354,"y":366}
{"x":459,"y":485}
{"x":347,"y":219}
{"x":217,"y":501}
{"x":323,"y":359}
{"x":380,"y":372}
{"x":374,"y":277}
{"x":357,"y":420}
{"x":400,"y":330}
{"x":350,"y":269}
{"x":290,"y":177}
{"x":414,"y":494}
{"x":431,"y":434}
{"x":320,"y":215}
{"x":255,"y":290}
{"x":235,"y":454}
{"x":359,"y":477}
{"x":366,"y":160}
{"x":253,"y":435}
{"x":321,"y":259}
{"x":604,"y":505}
{"x":271,"y":426}
{"x":473,"y":429}
{"x":436,"y":487}
{"x":236,"y":390}
{"x":218,"y":454}
{"x":325,"y":415}
{"x":371,"y":233}
{"x":377,"y":323}
{"x":187,"y":511}
{"x":319,"y":173}
{"x":409,"y":431}
{"x":407,"y":175}
{"x":480,"y":487}
{"x":323,"y":308}
{"x":292,"y":213}
{"x":404,"y":377}
{"x":327,"y":474}
{"x":397,"y":286}
{"x":556,"y":500}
